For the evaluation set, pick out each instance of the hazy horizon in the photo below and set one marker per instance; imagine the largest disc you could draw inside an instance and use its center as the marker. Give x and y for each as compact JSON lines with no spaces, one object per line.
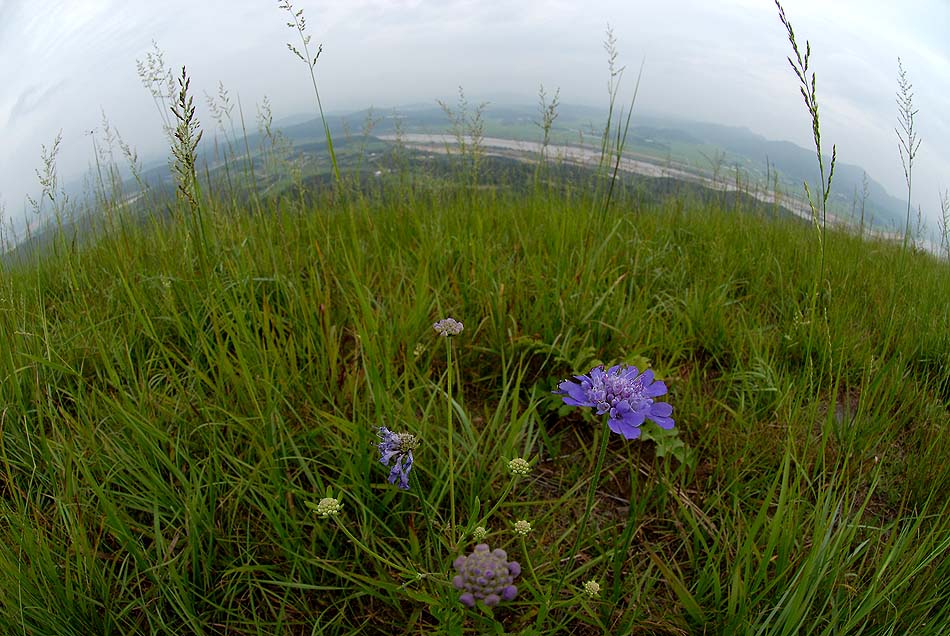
{"x":67,"y":62}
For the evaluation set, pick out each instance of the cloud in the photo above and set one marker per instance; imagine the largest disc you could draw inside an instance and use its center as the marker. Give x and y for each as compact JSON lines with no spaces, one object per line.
{"x":32,"y":99}
{"x":9,"y":12}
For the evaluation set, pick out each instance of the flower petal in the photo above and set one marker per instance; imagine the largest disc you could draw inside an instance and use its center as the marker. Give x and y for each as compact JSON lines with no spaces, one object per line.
{"x":393,"y":473}
{"x":663,"y":422}
{"x":661,"y":409}
{"x":628,"y":431}
{"x":629,"y":373}
{"x":656,"y":389}
{"x":633,"y":419}
{"x":575,"y":394}
{"x":615,"y":426}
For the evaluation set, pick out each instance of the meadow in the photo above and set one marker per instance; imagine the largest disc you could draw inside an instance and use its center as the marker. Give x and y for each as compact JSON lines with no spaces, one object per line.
{"x":191,"y":405}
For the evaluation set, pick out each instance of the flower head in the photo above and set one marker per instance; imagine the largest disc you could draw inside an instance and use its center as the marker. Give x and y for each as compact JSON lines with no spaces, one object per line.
{"x":522,"y":527}
{"x":329,"y":507}
{"x":592,"y":588}
{"x":479,"y":533}
{"x":485,"y":575}
{"x":624,"y":393}
{"x":519,"y":466}
{"x":397,"y":447}
{"x":448,"y":327}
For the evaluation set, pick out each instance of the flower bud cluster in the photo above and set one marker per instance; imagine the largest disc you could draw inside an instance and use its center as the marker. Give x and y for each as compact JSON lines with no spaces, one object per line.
{"x":485,"y":575}
{"x":448,"y":327}
{"x":329,"y":507}
{"x":522,"y":527}
{"x":519,"y":466}
{"x":592,"y":588}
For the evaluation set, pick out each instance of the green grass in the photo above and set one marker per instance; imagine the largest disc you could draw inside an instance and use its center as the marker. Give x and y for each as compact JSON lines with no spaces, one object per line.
{"x":178,"y":391}
{"x":165,"y":422}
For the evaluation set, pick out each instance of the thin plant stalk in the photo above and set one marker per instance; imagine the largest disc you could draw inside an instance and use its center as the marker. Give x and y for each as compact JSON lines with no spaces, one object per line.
{"x":451,"y":428}
{"x":809,"y":92}
{"x":501,"y":498}
{"x":908,"y":143}
{"x":365,"y":548}
{"x":810,"y":95}
{"x":622,"y":141}
{"x":944,"y":223}
{"x":548,"y":111}
{"x":527,"y":560}
{"x":300,"y":25}
{"x":591,"y":490}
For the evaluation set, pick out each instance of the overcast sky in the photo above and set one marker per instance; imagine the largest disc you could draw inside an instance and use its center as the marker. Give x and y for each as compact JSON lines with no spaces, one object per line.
{"x":63,"y":63}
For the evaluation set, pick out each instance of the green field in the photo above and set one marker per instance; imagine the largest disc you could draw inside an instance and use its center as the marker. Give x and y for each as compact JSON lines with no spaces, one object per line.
{"x":174,"y":397}
{"x":192,"y":391}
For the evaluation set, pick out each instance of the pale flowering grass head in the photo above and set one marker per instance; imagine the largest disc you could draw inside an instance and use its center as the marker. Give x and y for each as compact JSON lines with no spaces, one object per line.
{"x":622,"y":392}
{"x":448,"y":327}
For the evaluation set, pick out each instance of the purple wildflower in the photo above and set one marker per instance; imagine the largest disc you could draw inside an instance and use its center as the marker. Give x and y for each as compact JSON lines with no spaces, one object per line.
{"x":623,"y":392}
{"x":448,"y":327}
{"x":485,"y":575}
{"x":397,"y":447}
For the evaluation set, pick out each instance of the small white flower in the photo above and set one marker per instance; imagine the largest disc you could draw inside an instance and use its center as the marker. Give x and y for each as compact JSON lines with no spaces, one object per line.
{"x":592,"y":588}
{"x":479,"y":534}
{"x":329,"y":507}
{"x":519,"y":466}
{"x":522,"y":527}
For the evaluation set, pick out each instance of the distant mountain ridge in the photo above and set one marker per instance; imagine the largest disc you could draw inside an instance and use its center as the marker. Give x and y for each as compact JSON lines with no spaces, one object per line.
{"x":739,"y":145}
{"x":797,"y":165}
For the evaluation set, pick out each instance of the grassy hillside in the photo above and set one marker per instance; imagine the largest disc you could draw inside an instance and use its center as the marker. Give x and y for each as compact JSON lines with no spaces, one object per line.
{"x":174,"y":400}
{"x":227,"y":409}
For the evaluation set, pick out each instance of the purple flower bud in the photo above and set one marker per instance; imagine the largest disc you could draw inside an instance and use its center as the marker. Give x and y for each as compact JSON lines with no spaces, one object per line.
{"x":485,"y":575}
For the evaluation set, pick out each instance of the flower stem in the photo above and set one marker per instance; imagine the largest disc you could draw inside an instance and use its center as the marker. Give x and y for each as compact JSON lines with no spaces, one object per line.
{"x":527,"y":559}
{"x":371,"y":552}
{"x":501,"y":498}
{"x":595,"y":478}
{"x":451,"y":427}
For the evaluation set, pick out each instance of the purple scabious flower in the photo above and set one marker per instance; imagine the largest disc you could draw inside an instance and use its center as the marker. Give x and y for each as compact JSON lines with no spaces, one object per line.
{"x":485,"y":575}
{"x":448,"y":327}
{"x":397,"y":447}
{"x":624,"y":393}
